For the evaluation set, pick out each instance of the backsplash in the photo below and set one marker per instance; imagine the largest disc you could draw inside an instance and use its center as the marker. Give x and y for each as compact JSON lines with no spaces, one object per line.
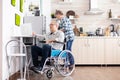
{"x":89,"y":22}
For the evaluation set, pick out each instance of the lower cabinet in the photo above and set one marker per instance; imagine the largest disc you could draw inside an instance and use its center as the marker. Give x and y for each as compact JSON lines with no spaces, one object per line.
{"x":78,"y":48}
{"x":112,"y":51}
{"x":96,"y":50}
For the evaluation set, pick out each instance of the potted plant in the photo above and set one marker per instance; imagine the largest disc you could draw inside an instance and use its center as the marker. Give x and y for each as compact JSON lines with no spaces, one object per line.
{"x":53,"y":15}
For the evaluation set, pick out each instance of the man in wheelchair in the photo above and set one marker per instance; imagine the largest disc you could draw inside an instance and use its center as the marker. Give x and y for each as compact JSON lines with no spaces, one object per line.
{"x":45,"y":51}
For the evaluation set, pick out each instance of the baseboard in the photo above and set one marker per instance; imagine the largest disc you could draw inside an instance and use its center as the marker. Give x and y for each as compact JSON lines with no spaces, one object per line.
{"x":104,"y":65}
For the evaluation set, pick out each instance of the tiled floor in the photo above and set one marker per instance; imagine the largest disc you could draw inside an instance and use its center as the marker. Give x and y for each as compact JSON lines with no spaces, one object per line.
{"x":86,"y":73}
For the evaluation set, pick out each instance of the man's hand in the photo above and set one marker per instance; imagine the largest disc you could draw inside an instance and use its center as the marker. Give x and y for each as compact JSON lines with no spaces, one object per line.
{"x":33,"y":33}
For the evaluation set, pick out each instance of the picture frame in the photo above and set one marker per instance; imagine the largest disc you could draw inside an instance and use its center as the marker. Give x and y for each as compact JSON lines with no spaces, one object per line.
{"x":17,"y":20}
{"x":13,"y":3}
{"x":21,"y":5}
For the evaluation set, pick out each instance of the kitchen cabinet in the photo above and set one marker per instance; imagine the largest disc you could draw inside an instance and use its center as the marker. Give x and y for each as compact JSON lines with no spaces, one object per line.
{"x":77,"y":50}
{"x":112,"y":51}
{"x":118,"y":52}
{"x":88,"y":50}
{"x":96,"y":50}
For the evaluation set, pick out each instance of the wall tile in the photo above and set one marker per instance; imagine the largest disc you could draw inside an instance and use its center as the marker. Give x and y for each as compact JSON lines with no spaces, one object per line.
{"x":80,"y":6}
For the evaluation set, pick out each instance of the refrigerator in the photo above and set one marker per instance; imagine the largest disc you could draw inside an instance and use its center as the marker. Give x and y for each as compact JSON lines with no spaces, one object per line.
{"x":38,"y":23}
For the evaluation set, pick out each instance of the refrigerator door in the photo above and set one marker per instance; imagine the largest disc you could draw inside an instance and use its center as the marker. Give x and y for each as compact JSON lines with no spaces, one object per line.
{"x":38,"y":23}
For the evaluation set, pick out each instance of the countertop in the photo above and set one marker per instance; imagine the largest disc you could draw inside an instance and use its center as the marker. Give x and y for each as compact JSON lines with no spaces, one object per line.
{"x":90,"y":37}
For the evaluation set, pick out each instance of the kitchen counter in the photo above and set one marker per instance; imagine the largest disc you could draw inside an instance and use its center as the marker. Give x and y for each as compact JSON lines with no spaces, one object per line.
{"x":89,"y":37}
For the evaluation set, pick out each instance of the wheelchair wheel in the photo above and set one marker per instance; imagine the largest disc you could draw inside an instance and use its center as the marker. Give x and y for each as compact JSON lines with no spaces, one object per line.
{"x":65,"y":63}
{"x":49,"y":74}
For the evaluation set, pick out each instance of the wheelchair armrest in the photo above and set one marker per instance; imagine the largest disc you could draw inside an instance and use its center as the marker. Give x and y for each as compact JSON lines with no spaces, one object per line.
{"x":54,"y":42}
{"x":59,"y":42}
{"x":42,"y":41}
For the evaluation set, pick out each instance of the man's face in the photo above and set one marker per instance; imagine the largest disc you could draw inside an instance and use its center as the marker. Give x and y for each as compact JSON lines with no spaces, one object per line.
{"x":53,"y":27}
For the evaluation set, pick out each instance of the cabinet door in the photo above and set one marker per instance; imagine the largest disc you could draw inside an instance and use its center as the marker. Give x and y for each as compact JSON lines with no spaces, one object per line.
{"x":117,"y":61}
{"x":75,"y":50}
{"x":89,"y":55}
{"x":96,"y":49}
{"x":78,"y":49}
{"x":83,"y":50}
{"x":110,"y":51}
{"x":88,"y":51}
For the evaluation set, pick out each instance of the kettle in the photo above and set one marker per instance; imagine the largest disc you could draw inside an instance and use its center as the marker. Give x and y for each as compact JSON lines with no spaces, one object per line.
{"x":113,"y":31}
{"x":112,"y":28}
{"x":99,"y":32}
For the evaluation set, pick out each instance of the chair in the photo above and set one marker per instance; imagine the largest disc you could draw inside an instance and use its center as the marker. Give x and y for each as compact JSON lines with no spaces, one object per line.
{"x":15,"y":52}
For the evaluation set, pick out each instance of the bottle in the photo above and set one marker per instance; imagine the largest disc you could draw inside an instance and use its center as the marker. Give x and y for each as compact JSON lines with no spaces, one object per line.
{"x":76,"y":31}
{"x":110,"y":14}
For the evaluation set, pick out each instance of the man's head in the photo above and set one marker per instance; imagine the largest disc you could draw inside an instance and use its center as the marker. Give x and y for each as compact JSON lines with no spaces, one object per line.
{"x":53,"y":26}
{"x":58,"y":14}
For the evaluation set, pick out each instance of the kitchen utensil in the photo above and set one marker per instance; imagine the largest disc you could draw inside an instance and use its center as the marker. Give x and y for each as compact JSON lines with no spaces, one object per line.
{"x":112,"y":28}
{"x":70,"y":13}
{"x":90,"y":33}
{"x":99,"y":32}
{"x":81,"y":30}
{"x":118,"y":30}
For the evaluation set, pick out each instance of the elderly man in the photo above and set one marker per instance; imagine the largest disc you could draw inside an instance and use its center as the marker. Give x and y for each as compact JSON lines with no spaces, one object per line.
{"x":45,"y":51}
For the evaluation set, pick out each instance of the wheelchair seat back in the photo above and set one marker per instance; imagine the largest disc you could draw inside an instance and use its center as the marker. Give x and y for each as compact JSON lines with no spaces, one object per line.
{"x":56,"y":53}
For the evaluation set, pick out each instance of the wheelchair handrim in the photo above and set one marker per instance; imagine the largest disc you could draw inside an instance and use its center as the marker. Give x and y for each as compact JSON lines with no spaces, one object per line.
{"x":61,"y":72}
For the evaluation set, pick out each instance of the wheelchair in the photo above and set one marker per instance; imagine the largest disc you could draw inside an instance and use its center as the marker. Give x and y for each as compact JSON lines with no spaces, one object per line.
{"x":60,"y":61}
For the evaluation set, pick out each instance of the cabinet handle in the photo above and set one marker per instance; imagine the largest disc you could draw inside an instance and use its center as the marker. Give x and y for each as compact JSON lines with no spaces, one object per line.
{"x":88,"y":43}
{"x":119,"y":43}
{"x":85,"y":43}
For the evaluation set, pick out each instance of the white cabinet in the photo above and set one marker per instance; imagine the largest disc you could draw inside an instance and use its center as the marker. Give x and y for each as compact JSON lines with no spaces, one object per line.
{"x":95,"y":51}
{"x":85,"y":56}
{"x":112,"y":51}
{"x":88,"y":50}
{"x":118,"y":52}
{"x":77,"y":49}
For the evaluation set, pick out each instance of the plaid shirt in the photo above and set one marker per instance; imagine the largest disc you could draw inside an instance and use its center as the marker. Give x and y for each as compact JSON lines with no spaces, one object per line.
{"x":66,"y":25}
